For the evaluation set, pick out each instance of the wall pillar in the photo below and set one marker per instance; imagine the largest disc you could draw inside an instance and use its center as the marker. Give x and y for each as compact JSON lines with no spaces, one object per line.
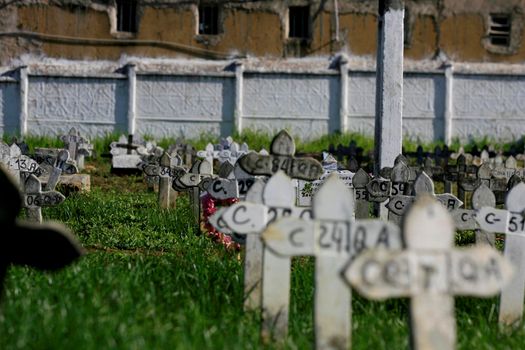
{"x":24,"y":94}
{"x":389,"y":83}
{"x":132,"y":98}
{"x":239,"y":77}
{"x":448,"y":114}
{"x":343,"y":108}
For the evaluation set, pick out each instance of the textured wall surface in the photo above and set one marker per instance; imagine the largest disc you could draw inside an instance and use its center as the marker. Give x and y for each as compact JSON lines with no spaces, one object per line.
{"x":306,"y":104}
{"x":95,"y":106}
{"x":9,"y":107}
{"x":423,"y":105}
{"x":493,"y":106}
{"x":184,"y":105}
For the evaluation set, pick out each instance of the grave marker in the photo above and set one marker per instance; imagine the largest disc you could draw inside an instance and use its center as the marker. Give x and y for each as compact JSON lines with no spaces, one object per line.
{"x":163,"y":173}
{"x":278,"y":197}
{"x":423,"y":184}
{"x":56,"y":170}
{"x":34,"y":199}
{"x":362,"y":206}
{"x":281,"y":157}
{"x":196,"y":179}
{"x":511,"y":222}
{"x":332,"y":237}
{"x":465,"y":219}
{"x":431,"y":272}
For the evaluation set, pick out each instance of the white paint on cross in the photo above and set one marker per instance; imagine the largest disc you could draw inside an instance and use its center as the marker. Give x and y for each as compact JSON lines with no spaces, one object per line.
{"x":34,"y":199}
{"x":423,"y":184}
{"x":209,"y":153}
{"x":251,"y":218}
{"x":511,"y":222}
{"x":282,"y":158}
{"x":333,"y":237}
{"x":431,"y":272}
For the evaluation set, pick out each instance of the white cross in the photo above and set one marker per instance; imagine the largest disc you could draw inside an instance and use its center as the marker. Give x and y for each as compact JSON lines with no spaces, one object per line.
{"x":281,"y":157}
{"x":431,"y":272}
{"x":465,"y":219}
{"x":511,"y":222}
{"x":250,"y":218}
{"x":333,"y":237}
{"x":209,"y":153}
{"x":423,"y":184}
{"x":34,"y":199}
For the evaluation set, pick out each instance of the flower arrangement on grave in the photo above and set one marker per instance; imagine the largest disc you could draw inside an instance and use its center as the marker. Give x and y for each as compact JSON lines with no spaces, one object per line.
{"x":209,"y":207}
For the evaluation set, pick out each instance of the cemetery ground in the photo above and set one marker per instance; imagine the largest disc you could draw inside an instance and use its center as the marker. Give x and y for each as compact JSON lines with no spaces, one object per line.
{"x":150,"y":281}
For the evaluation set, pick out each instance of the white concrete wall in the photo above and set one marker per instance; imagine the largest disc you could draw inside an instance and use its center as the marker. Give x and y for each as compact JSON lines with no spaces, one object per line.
{"x":189,"y":101}
{"x":305,"y":104}
{"x":173,"y":106}
{"x":94,"y":106}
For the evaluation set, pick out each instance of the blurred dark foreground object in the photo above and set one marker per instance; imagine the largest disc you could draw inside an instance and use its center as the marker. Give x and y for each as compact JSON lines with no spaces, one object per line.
{"x":48,"y":247}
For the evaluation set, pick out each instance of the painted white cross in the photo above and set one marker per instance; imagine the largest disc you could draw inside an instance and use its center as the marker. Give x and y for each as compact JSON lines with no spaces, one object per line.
{"x":198,"y":178}
{"x":465,"y":219}
{"x":209,"y":153}
{"x":281,"y":157}
{"x":511,"y":222}
{"x":423,"y":184}
{"x":163,"y":173}
{"x":233,"y":153}
{"x":332,"y":237}
{"x":431,"y":272}
{"x":278,"y":197}
{"x":34,"y":199}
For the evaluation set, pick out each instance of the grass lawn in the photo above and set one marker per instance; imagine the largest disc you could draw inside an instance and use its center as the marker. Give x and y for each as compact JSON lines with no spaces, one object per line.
{"x":149,"y":282}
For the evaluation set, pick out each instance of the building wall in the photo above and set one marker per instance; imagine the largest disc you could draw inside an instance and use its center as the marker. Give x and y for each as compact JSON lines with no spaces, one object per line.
{"x":72,"y":29}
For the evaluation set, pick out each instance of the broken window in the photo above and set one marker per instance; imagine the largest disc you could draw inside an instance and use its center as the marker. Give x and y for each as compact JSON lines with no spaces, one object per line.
{"x":499,"y":31}
{"x":299,"y":22}
{"x":209,"y":20}
{"x":127,"y":16}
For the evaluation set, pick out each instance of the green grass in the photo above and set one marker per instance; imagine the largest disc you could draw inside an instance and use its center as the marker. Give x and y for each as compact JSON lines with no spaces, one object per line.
{"x":149,"y":282}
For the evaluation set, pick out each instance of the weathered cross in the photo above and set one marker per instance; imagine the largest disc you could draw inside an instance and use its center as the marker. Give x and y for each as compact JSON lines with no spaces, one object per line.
{"x":163,"y":172}
{"x":209,"y":153}
{"x":77,"y":145}
{"x":196,"y":179}
{"x":34,"y":199}
{"x":511,"y":222}
{"x":59,"y":165}
{"x":281,"y":157}
{"x":233,"y":153}
{"x":17,"y":164}
{"x":362,"y":204}
{"x":278,"y":198}
{"x":431,"y":272}
{"x":465,"y":219}
{"x":423,"y":184}
{"x":333,"y":237}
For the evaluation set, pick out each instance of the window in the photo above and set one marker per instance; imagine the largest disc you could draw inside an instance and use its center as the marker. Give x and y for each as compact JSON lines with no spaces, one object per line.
{"x":127,"y":16}
{"x":499,"y":31}
{"x":209,"y":20}
{"x":299,"y":22}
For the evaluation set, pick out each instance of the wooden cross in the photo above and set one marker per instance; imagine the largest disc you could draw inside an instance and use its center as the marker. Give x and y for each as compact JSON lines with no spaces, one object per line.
{"x":431,"y":272}
{"x":281,"y":157}
{"x":58,"y":167}
{"x":512,"y":223}
{"x":45,"y":247}
{"x":209,"y":153}
{"x":34,"y":199}
{"x":163,"y":172}
{"x":72,"y":140}
{"x":19,"y":165}
{"x":278,"y":197}
{"x":423,"y":184}
{"x":465,"y":219}
{"x":332,"y":237}
{"x":244,"y":180}
{"x":233,"y":153}
{"x":362,"y":204}
{"x":253,"y":248}
{"x":197,"y":179}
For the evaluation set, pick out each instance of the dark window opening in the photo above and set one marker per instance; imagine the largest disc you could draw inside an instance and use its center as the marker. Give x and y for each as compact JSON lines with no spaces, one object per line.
{"x":299,"y":22}
{"x":499,"y":32}
{"x":127,"y":16}
{"x":209,"y":20}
